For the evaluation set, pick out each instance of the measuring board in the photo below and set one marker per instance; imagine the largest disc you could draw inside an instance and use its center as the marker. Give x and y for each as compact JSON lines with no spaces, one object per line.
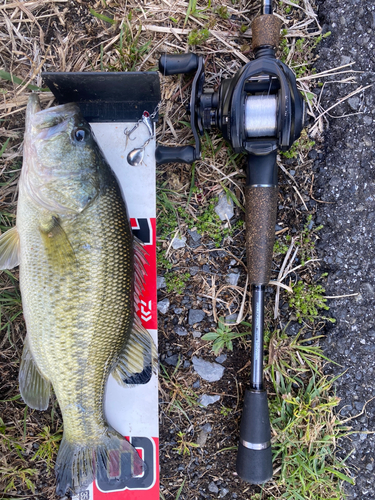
{"x":107,"y":101}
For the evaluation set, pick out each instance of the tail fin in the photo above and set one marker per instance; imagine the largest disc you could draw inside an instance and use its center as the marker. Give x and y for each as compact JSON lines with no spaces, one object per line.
{"x":78,"y":464}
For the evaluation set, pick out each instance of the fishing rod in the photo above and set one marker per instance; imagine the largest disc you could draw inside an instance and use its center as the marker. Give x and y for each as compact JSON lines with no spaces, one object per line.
{"x":258,"y":111}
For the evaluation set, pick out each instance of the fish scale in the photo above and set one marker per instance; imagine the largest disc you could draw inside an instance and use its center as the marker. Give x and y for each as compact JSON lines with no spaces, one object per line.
{"x":77,"y":280}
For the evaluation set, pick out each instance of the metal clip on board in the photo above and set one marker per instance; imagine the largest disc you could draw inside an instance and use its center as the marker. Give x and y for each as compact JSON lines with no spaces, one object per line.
{"x":258,"y":111}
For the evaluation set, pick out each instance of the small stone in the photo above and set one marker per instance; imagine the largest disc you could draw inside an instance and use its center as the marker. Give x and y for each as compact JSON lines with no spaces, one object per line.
{"x":186,"y":364}
{"x":160,"y":282}
{"x":197,"y":334}
{"x":313,"y":154}
{"x":193,"y":270}
{"x":163,"y":306}
{"x":231,"y":318}
{"x":354,"y":103}
{"x":213,"y":488}
{"x":224,"y":207}
{"x":178,"y":310}
{"x":345,"y":60}
{"x":181,"y":331}
{"x":179,"y":242}
{"x":203,"y":435}
{"x":367,"y":141}
{"x":232,"y":278}
{"x":194,"y":235}
{"x":195,"y":316}
{"x":220,"y":359}
{"x":208,"y":371}
{"x":172,"y":360}
{"x":196,"y":384}
{"x":223,"y":492}
{"x":206,"y":400}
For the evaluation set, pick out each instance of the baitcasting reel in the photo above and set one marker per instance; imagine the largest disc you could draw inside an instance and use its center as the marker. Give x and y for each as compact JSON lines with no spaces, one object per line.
{"x":258,"y":111}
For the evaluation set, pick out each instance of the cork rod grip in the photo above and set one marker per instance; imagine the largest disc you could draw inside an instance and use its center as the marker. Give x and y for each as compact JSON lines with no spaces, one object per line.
{"x":261,"y":209}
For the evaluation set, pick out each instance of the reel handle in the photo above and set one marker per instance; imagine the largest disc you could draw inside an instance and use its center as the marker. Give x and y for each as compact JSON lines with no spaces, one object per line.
{"x":174,"y":64}
{"x":180,"y":154}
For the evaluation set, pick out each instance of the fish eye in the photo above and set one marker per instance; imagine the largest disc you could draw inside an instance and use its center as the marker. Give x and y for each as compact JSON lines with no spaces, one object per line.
{"x":80,"y":134}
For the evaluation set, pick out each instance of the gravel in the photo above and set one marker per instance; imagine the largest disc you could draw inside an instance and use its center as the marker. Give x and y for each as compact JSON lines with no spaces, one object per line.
{"x":206,"y":400}
{"x":163,"y":306}
{"x":181,"y":331}
{"x":211,"y":372}
{"x":195,"y":316}
{"x":179,"y":242}
{"x":224,"y":207}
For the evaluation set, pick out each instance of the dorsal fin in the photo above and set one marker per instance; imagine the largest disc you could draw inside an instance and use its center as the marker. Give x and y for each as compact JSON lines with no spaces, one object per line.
{"x":139,"y":357}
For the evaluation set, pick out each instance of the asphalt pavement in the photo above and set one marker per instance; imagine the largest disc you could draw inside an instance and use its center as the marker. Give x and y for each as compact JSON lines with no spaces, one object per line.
{"x":346,"y":178}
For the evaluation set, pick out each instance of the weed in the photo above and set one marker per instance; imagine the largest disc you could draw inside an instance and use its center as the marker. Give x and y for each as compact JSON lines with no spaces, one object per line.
{"x":225,"y":411}
{"x":14,"y":477}
{"x":280,"y":248}
{"x":176,"y":282}
{"x":308,"y":239}
{"x":48,"y":446}
{"x":193,"y":10}
{"x":222,"y":12}
{"x":129,"y":51}
{"x":184,"y":446}
{"x":179,"y":491}
{"x":301,"y":146}
{"x":293,"y":356}
{"x":102,"y":17}
{"x":162,"y":260}
{"x":223,"y":337}
{"x":305,"y":435}
{"x":197,"y":37}
{"x":307,"y":300}
{"x":180,"y":392}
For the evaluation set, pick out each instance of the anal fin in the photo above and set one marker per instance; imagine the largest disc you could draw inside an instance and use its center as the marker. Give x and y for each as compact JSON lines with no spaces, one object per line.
{"x":34,"y":388}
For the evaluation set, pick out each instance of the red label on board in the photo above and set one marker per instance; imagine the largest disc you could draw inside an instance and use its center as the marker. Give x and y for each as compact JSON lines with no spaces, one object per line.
{"x":145,"y":230}
{"x":145,"y":486}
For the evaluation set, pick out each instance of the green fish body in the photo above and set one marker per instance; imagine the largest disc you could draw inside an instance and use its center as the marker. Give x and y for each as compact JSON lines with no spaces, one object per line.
{"x":79,"y":277}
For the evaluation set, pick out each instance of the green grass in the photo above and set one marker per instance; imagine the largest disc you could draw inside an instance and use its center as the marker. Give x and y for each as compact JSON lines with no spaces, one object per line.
{"x":305,"y":433}
{"x":48,"y":447}
{"x":176,"y":282}
{"x":223,"y":336}
{"x":307,"y":301}
{"x":184,"y":445}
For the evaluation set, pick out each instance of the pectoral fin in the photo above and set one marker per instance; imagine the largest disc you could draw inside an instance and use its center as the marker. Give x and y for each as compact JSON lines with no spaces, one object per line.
{"x":59,"y":250}
{"x":9,"y":249}
{"x":34,"y":388}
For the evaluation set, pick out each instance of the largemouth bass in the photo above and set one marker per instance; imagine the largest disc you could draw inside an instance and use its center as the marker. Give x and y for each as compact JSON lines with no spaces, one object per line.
{"x":79,"y":277}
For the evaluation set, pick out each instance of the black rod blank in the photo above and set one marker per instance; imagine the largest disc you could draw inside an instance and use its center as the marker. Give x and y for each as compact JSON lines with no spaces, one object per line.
{"x":266,"y":7}
{"x":257,"y":327}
